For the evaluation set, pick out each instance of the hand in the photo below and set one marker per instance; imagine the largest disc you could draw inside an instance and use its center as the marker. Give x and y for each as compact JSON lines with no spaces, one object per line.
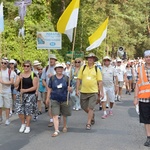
{"x":36,"y":93}
{"x":23,"y":90}
{"x":77,"y":93}
{"x":135,"y":102}
{"x":49,"y":75}
{"x":69,"y":89}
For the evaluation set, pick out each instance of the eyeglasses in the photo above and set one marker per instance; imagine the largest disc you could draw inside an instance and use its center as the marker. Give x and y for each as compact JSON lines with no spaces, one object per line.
{"x":118,"y":62}
{"x":11,"y":63}
{"x":4,"y":63}
{"x":26,"y":66}
{"x":40,"y":69}
{"x":77,"y":61}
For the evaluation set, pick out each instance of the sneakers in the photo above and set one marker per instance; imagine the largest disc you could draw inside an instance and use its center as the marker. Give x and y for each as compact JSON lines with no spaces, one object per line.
{"x":110,"y":113}
{"x":119,"y":98}
{"x":27,"y":130}
{"x":23,"y":126}
{"x":7,"y":122}
{"x":116,"y":98}
{"x":104,"y":116}
{"x":147,"y":143}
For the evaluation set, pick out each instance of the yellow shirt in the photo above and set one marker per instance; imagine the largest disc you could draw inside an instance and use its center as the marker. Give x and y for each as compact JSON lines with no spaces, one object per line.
{"x":89,"y":79}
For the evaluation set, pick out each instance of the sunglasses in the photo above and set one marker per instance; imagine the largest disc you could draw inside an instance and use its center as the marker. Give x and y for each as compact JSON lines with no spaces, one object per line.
{"x":40,"y":69}
{"x":118,"y":62}
{"x":4,"y":63}
{"x":77,"y":61}
{"x":26,"y":66}
{"x":11,"y":63}
{"x":106,"y":60}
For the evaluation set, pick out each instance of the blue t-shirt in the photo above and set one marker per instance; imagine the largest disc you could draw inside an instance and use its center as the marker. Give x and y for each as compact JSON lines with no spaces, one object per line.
{"x":59,"y":88}
{"x":41,"y":87}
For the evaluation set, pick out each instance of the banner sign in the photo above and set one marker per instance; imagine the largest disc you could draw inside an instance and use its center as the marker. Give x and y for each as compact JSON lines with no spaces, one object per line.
{"x":49,"y":40}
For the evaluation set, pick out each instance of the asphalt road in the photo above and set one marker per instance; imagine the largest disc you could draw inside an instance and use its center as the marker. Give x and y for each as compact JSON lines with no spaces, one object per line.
{"x":122,"y":131}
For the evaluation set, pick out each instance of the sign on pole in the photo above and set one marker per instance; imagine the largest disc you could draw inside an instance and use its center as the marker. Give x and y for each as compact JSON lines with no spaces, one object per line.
{"x":49,"y":40}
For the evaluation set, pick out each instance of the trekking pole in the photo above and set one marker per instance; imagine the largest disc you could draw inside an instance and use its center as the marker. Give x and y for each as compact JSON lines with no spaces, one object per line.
{"x":73,"y":44}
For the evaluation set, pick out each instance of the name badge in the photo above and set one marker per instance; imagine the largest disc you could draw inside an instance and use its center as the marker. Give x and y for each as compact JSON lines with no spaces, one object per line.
{"x":75,"y":77}
{"x":89,"y":78}
{"x":59,"y":86}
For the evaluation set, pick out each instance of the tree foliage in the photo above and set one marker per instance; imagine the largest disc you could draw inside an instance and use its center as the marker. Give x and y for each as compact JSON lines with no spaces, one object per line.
{"x":129,"y":23}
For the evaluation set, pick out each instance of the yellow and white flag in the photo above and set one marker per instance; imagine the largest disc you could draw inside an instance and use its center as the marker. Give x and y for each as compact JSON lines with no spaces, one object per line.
{"x":68,"y":20}
{"x":98,"y":36}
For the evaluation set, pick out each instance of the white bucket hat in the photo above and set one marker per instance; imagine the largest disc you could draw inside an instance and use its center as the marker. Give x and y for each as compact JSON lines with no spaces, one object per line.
{"x":36,"y":63}
{"x":12,"y":61}
{"x":58,"y":66}
{"x":107,"y":57}
{"x":53,"y":56}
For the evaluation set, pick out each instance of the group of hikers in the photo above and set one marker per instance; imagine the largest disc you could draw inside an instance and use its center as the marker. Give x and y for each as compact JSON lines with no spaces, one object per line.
{"x":63,"y":87}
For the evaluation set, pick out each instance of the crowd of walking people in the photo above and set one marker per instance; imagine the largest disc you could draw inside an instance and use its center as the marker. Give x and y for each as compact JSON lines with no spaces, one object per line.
{"x":81,"y":84}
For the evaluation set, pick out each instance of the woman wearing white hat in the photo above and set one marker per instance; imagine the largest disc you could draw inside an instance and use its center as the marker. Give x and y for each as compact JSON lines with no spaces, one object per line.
{"x":57,"y":96}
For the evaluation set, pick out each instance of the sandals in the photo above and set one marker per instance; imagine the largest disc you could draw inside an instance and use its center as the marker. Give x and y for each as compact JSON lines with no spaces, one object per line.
{"x":93,"y":120}
{"x":88,"y":127}
{"x":56,"y":133}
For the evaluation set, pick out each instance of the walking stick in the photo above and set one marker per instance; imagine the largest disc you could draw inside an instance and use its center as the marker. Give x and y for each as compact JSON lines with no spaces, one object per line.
{"x":71,"y":62}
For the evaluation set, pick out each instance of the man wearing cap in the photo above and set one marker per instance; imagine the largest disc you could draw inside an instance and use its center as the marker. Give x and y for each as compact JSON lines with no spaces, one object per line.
{"x":48,"y":71}
{"x":6,"y":79}
{"x":122,"y":77}
{"x":142,"y":94}
{"x":36,"y":63}
{"x":109,"y":75}
{"x":91,"y":86}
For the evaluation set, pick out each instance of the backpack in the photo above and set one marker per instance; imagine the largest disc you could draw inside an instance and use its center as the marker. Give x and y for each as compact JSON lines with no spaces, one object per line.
{"x":85,"y":67}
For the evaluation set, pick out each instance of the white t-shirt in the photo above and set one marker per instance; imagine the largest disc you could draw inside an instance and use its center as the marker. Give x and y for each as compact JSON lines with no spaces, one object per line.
{"x":120,"y":72}
{"x":4,"y":76}
{"x":108,"y":74}
{"x":129,"y":71}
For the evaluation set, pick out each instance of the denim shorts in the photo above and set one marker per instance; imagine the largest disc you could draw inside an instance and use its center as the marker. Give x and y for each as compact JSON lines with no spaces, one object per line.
{"x":129,"y":77}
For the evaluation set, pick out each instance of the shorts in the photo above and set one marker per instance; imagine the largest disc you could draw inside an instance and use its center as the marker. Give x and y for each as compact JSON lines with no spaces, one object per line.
{"x":58,"y":108}
{"x":120,"y":83}
{"x":14,"y":91}
{"x":129,"y":77}
{"x":5,"y":100}
{"x":42,"y":96}
{"x":144,"y":109}
{"x":27,"y":106}
{"x":88,"y":100}
{"x":109,"y":93}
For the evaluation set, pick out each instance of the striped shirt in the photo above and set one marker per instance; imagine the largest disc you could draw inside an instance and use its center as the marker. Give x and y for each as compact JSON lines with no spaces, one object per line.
{"x":147,"y":71}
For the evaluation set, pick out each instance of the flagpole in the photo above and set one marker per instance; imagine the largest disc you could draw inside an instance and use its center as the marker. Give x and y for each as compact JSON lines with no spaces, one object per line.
{"x":0,"y":45}
{"x":73,"y":45}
